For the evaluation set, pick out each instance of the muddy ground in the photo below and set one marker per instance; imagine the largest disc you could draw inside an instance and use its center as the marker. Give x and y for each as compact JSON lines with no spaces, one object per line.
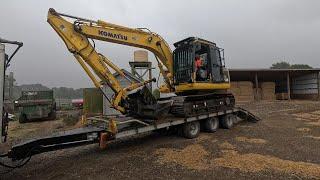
{"x":285,"y":145}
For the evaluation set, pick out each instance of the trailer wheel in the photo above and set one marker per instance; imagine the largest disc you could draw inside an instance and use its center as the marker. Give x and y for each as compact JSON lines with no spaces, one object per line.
{"x":23,"y":118}
{"x":52,"y":115}
{"x":191,"y":130}
{"x":227,"y":121}
{"x":162,"y":132}
{"x":211,"y":124}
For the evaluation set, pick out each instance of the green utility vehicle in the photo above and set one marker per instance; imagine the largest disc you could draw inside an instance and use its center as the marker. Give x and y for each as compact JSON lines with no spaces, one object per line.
{"x":36,"y":105}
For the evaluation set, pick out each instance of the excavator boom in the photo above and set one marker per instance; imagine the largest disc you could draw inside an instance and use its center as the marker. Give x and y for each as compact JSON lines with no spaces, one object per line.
{"x":76,"y":37}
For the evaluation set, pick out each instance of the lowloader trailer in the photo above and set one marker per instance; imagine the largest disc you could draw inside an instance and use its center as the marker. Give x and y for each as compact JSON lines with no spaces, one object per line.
{"x":110,"y":128}
{"x":194,"y":71}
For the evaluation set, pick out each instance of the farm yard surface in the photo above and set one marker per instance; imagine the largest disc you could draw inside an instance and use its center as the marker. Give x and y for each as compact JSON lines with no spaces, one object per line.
{"x":284,"y":145}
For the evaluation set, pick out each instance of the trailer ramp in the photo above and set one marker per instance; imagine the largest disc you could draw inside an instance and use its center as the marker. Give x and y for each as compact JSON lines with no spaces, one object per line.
{"x":61,"y":140}
{"x":246,"y":115}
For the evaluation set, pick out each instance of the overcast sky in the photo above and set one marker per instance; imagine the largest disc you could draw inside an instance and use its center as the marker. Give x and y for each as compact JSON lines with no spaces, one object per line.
{"x":253,"y":33}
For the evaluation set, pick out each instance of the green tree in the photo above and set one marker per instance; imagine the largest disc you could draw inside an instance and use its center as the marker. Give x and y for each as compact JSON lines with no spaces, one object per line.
{"x":286,"y":65}
{"x":67,"y":93}
{"x":300,"y":66}
{"x":280,"y":65}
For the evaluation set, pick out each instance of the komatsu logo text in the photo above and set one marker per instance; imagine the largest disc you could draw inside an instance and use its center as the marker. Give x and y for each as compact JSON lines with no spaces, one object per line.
{"x":112,"y":35}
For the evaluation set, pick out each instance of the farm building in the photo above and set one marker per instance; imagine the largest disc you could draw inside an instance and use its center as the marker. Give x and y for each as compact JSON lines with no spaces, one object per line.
{"x":272,"y":84}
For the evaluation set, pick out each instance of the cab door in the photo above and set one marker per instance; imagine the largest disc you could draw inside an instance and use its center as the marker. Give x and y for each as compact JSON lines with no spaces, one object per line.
{"x":216,"y":65}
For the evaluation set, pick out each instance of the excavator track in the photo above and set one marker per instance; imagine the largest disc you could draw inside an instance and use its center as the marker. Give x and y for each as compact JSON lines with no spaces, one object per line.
{"x":191,"y":105}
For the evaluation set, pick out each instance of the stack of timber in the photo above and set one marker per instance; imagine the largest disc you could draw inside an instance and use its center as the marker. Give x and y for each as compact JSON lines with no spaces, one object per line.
{"x":242,"y":91}
{"x":268,"y":91}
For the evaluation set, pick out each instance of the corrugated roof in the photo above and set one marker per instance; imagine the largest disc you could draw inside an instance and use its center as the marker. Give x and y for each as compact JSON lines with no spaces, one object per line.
{"x":268,"y":74}
{"x":273,"y":70}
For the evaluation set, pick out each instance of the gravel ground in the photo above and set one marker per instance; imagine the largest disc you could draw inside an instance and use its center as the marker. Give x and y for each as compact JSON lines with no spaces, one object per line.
{"x":285,"y":145}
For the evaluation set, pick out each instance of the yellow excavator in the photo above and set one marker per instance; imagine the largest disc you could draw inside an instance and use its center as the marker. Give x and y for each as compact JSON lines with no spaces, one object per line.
{"x":198,"y":90}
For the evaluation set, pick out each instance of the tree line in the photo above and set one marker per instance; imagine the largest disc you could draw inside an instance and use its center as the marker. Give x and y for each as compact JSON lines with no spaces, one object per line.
{"x":59,"y":92}
{"x":286,"y":65}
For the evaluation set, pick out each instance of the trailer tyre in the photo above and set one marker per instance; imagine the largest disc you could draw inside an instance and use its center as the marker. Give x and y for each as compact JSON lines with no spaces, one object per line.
{"x":191,"y":130}
{"x":211,"y":124}
{"x":52,"y":115}
{"x":22,"y":118}
{"x":227,"y":121}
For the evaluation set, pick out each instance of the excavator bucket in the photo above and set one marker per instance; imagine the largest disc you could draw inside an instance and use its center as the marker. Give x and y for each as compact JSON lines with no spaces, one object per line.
{"x":144,"y":105}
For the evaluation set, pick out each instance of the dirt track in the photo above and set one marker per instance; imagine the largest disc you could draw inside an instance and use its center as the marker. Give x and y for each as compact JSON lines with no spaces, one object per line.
{"x":285,"y":145}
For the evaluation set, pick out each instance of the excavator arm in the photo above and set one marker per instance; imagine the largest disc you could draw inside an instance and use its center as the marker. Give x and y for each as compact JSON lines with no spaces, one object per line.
{"x":79,"y":45}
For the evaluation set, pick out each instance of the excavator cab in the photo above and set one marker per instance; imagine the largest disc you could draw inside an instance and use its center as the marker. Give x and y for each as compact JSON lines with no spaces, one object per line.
{"x":212,"y":69}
